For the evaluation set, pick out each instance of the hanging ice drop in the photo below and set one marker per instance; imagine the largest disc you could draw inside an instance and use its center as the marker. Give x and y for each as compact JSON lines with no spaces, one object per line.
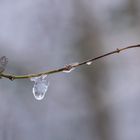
{"x":40,"y":87}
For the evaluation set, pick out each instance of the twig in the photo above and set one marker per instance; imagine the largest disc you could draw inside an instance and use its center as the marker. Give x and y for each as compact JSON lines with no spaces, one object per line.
{"x":67,"y":67}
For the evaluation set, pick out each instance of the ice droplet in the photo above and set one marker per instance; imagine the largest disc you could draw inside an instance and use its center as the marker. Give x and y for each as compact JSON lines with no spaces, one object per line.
{"x":40,"y":86}
{"x":89,"y":63}
{"x":69,"y":70}
{"x":70,"y":67}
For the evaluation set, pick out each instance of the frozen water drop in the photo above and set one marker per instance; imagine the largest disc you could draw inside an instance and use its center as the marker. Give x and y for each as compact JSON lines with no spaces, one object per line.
{"x":89,"y":63}
{"x":39,"y":90}
{"x":68,"y":70}
{"x":70,"y":67}
{"x":40,"y":87}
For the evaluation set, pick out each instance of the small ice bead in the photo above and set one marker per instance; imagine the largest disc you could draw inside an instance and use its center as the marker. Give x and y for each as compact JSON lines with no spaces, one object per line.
{"x":89,"y":63}
{"x":70,"y":67}
{"x":68,"y":71}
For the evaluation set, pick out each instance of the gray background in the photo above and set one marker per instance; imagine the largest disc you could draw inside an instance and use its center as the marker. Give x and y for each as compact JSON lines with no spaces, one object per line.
{"x":100,"y":101}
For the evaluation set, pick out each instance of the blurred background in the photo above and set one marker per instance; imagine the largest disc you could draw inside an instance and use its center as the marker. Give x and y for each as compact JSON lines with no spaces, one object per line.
{"x":96,"y":102}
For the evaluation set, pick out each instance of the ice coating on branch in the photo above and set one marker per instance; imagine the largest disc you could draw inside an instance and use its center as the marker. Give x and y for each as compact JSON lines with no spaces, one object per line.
{"x":40,"y":86}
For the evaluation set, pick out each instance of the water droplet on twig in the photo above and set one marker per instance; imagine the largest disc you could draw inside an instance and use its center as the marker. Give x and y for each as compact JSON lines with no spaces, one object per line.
{"x":68,"y":70}
{"x":70,"y":67}
{"x":40,"y":86}
{"x":89,"y":63}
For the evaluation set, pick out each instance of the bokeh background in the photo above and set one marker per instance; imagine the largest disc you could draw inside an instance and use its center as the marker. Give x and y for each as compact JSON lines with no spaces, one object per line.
{"x":96,"y":102}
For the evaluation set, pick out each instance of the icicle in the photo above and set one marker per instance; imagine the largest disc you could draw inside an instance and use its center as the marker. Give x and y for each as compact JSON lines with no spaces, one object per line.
{"x":40,"y":86}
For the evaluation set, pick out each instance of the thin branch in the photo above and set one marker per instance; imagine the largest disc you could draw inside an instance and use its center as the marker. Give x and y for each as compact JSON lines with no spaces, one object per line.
{"x":67,"y":67}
